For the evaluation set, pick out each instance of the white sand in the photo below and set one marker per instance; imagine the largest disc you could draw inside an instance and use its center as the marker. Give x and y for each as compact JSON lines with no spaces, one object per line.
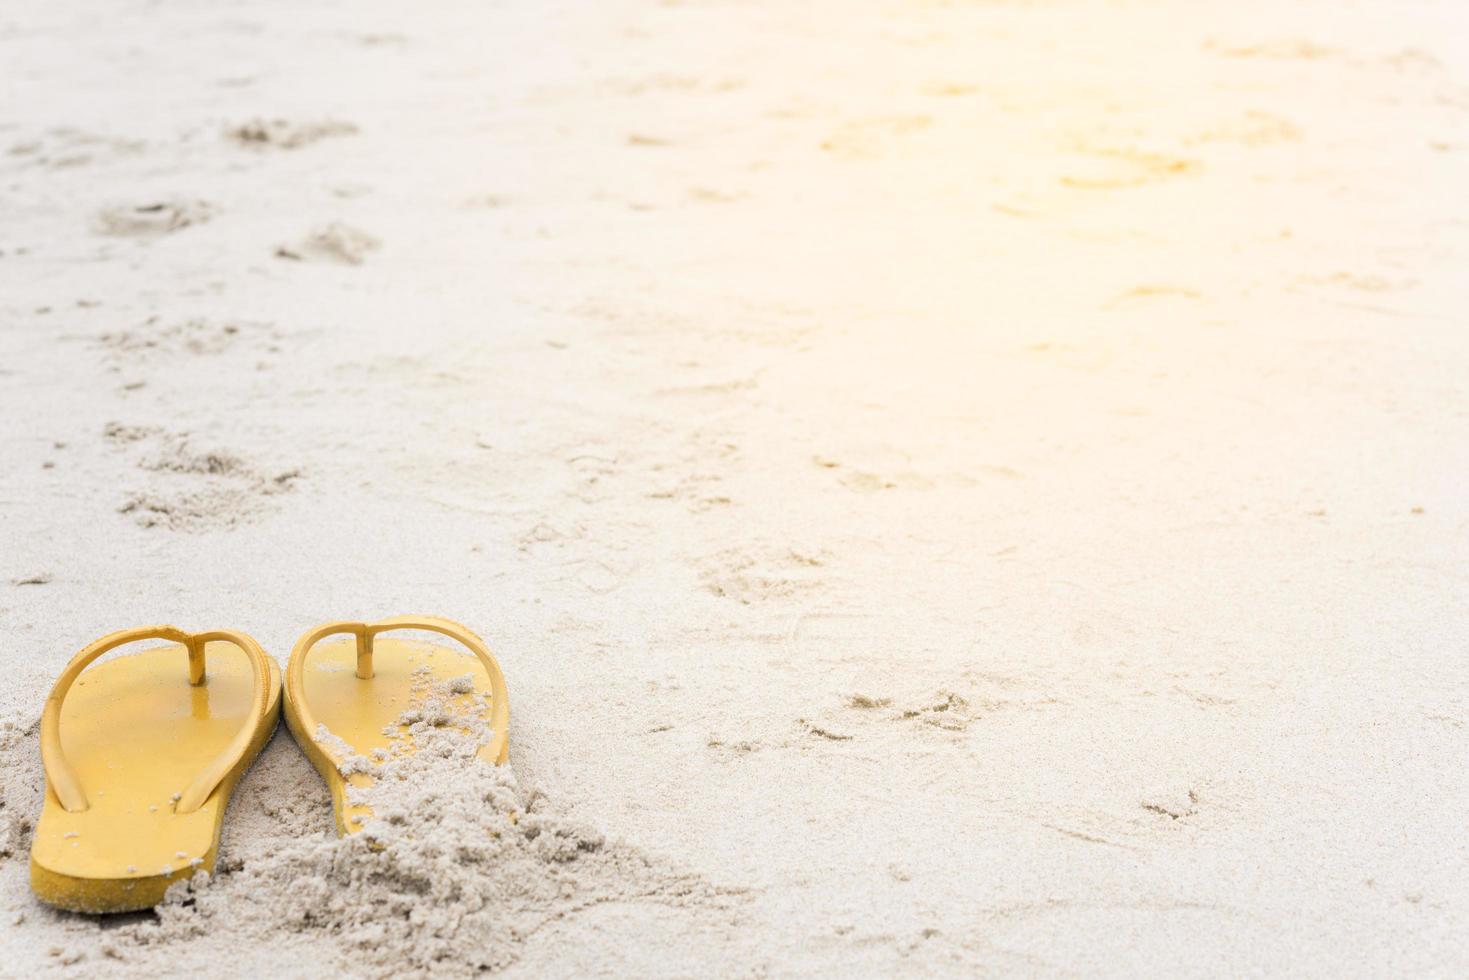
{"x":955,"y":487}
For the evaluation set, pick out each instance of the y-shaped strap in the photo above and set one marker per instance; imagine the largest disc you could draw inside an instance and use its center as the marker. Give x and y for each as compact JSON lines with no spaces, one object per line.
{"x":59,"y":775}
{"x":499,"y":745}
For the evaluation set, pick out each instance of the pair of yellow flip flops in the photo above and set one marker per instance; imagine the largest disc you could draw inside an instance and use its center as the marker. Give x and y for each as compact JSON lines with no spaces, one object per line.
{"x":140,"y":764}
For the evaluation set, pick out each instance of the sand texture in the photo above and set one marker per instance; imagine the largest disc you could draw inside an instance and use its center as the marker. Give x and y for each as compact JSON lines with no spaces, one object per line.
{"x":956,"y":488}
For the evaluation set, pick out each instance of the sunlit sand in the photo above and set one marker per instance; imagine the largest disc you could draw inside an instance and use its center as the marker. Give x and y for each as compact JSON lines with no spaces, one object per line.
{"x":954,"y":488}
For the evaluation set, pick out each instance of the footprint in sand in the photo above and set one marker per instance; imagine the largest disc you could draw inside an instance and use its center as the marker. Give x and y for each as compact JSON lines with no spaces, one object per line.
{"x":189,"y":489}
{"x":64,"y":147}
{"x":283,"y":134}
{"x":942,"y":709}
{"x":152,"y":220}
{"x":335,"y":242}
{"x":40,"y":578}
{"x":1171,"y":803}
{"x":195,"y":337}
{"x":863,"y":481}
{"x":749,"y":578}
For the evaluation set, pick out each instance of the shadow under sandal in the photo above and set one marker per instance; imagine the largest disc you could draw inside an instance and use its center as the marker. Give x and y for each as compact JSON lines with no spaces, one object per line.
{"x":354,"y":700}
{"x":141,"y":754}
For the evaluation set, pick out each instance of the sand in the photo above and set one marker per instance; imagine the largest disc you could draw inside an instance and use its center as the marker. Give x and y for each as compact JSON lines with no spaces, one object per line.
{"x":955,"y":488}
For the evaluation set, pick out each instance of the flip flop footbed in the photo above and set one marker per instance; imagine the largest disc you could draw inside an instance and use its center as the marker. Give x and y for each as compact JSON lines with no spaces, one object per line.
{"x":413,"y":682}
{"x":136,"y":733}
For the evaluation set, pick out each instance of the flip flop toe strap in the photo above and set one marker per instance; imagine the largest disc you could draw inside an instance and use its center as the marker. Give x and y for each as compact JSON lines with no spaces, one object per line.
{"x":497,"y":748}
{"x":60,"y":777}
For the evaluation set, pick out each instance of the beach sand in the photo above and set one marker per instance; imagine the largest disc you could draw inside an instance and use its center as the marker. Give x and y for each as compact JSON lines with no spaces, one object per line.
{"x":955,"y":488}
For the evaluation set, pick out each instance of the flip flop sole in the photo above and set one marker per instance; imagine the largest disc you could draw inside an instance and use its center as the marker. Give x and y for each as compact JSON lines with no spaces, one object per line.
{"x":135,"y":733}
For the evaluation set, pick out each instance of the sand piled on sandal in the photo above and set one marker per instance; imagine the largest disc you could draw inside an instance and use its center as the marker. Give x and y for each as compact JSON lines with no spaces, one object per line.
{"x":458,"y":868}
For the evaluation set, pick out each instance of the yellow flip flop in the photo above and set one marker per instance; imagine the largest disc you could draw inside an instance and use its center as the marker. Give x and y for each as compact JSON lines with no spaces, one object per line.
{"x":350,"y":697}
{"x":141,"y":754}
